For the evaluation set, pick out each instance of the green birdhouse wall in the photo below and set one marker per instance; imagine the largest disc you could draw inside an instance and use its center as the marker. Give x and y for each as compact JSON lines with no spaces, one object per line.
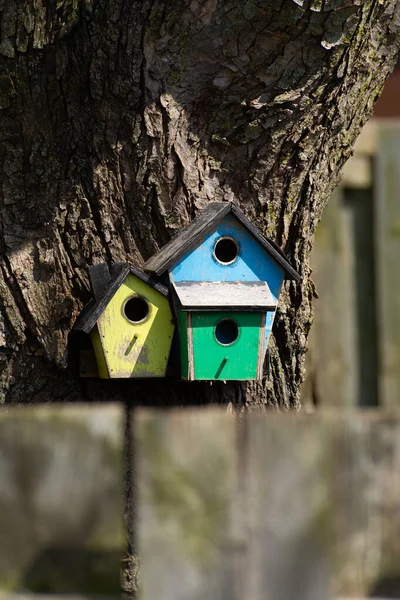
{"x":226,"y":345}
{"x":222,"y":328}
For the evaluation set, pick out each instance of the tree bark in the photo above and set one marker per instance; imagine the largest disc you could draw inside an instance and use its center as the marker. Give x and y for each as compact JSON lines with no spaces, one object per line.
{"x":120,"y":120}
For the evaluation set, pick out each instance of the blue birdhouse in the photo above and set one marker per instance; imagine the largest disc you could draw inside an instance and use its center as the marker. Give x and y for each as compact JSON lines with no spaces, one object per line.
{"x":226,"y":277}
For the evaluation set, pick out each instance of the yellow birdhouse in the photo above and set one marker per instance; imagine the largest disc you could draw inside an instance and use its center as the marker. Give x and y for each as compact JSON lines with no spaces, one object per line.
{"x":129,"y":321}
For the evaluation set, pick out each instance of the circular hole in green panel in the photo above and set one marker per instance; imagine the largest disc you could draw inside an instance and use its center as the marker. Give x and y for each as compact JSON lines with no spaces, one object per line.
{"x":226,"y":250}
{"x":226,"y":332}
{"x":136,"y":309}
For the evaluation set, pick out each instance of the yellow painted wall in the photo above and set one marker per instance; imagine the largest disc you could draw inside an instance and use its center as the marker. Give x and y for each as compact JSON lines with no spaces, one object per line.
{"x":99,"y":353}
{"x":146,"y":355}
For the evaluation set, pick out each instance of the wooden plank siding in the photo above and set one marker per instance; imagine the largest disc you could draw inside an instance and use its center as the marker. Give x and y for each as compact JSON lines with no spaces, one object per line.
{"x":387,"y":209}
{"x":61,"y":499}
{"x":331,"y":369}
{"x":355,"y":343}
{"x":268,"y":506}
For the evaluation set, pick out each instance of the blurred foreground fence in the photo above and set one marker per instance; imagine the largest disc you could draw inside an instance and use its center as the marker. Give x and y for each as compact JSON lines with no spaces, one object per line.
{"x":61,"y":499}
{"x":268,"y":506}
{"x":271,"y":507}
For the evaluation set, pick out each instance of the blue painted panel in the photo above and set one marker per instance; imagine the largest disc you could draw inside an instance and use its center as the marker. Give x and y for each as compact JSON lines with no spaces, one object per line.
{"x":269,"y":320}
{"x":252,"y":264}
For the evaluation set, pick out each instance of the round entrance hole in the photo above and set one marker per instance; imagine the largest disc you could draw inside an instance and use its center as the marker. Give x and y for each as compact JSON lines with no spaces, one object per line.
{"x":226,"y":332}
{"x":226,"y":250}
{"x":136,"y":309}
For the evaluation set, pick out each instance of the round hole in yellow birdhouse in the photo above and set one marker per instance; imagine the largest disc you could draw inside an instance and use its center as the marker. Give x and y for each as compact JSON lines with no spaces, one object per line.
{"x":136,"y":309}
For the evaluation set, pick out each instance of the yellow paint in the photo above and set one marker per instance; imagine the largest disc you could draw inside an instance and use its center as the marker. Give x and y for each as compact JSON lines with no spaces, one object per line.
{"x":136,"y":349}
{"x":99,"y":353}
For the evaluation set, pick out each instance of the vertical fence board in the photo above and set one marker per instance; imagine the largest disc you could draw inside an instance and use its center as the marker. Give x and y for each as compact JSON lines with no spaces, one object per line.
{"x":61,"y":499}
{"x":332,"y":363}
{"x":388,"y":251}
{"x":288,"y":509}
{"x":366,"y":496}
{"x":186,"y":466}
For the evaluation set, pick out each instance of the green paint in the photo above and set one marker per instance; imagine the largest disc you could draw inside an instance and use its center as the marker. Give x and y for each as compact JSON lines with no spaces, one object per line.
{"x":241,"y":356}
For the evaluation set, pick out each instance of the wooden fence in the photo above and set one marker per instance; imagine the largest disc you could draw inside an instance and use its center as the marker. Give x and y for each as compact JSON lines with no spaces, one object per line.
{"x":355,"y":340}
{"x":263,"y":506}
{"x":61,"y":499}
{"x":280,"y":507}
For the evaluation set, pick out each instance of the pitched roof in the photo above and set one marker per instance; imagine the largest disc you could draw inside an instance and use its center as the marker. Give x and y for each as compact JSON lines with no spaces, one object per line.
{"x":190,"y":236}
{"x":219,"y":295}
{"x":104,"y":289}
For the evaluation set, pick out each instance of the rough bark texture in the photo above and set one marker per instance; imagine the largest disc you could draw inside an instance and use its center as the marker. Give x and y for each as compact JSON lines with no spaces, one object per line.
{"x":121,"y":119}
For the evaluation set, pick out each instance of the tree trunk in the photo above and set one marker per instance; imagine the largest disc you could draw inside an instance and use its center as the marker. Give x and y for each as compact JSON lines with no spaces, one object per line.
{"x":120,"y":120}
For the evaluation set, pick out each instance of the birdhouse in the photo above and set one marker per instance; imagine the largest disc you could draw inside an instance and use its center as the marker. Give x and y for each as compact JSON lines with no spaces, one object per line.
{"x":130,"y":322}
{"x":226,"y":277}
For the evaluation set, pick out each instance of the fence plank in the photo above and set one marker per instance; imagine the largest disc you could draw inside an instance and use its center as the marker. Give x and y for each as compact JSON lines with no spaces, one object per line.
{"x":61,"y":500}
{"x":332,"y":362}
{"x":186,"y":464}
{"x":388,"y":252}
{"x":206,"y":532}
{"x":303,"y":507}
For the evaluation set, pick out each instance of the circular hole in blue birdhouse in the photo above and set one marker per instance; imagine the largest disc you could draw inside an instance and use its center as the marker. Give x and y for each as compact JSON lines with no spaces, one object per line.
{"x":136,"y":309}
{"x":226,"y":332}
{"x":226,"y":250}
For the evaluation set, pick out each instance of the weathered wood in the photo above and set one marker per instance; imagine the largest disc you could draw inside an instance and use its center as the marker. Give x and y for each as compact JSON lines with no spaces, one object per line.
{"x":209,"y":528}
{"x":287,"y":510}
{"x":187,"y":238}
{"x":61,"y":499}
{"x":307,"y":507}
{"x":95,"y":308}
{"x":252,"y":263}
{"x":342,"y":366}
{"x":360,"y":209}
{"x":99,"y":279}
{"x":186,"y":471}
{"x":225,"y":357}
{"x":28,"y":596}
{"x":206,"y":221}
{"x":388,"y":252}
{"x":243,"y":295}
{"x":330,"y":366}
{"x":136,"y":349}
{"x":190,"y":354}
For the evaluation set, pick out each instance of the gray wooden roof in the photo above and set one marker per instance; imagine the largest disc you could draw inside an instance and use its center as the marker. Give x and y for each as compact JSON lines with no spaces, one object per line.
{"x":191,"y":236}
{"x":104,"y":288}
{"x":219,"y":295}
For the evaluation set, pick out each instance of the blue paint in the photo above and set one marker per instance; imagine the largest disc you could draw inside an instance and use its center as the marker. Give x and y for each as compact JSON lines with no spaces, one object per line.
{"x":269,"y":321}
{"x":252,"y":264}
